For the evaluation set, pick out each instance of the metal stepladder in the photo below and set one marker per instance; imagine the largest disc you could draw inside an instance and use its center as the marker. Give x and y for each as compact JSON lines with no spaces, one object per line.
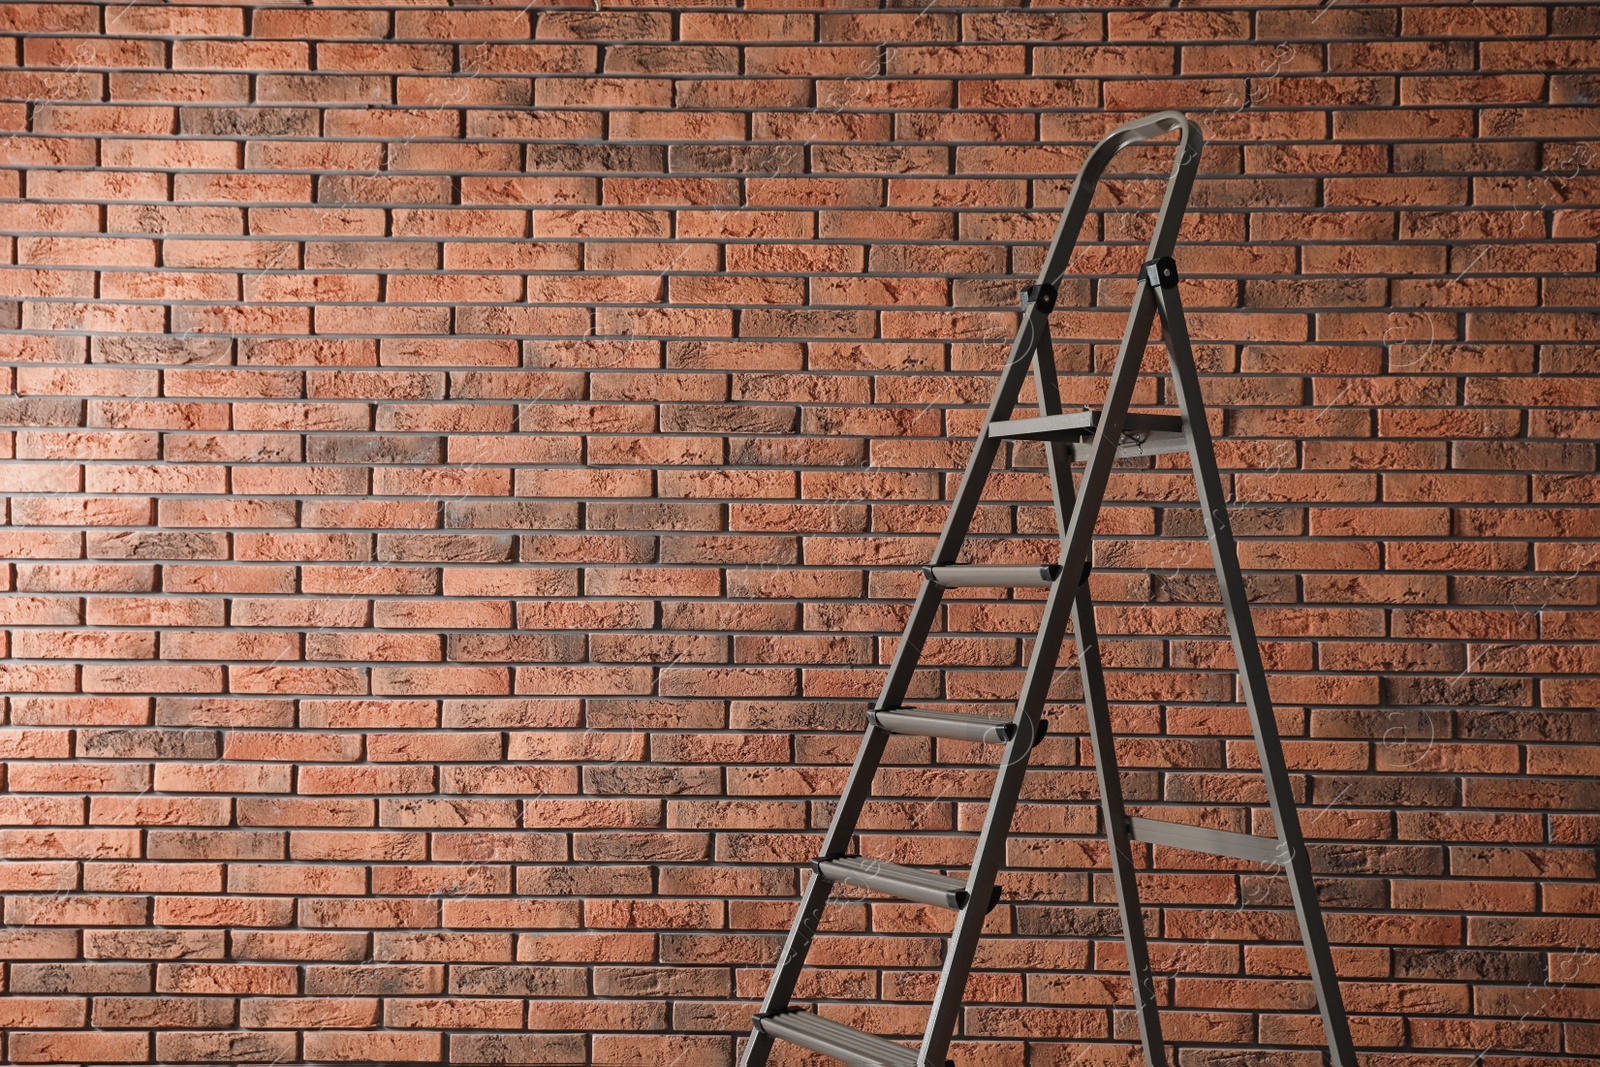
{"x":1096,"y":439}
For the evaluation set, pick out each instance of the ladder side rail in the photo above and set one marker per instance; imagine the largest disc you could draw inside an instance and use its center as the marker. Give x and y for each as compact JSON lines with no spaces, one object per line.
{"x":1059,"y":458}
{"x":1180,"y":182}
{"x":901,"y":670}
{"x":814,"y":901}
{"x":1002,"y":805}
{"x":1092,"y":483}
{"x":1031,"y":704}
{"x":1058,"y":454}
{"x":786,"y":972}
{"x":1113,"y":811}
{"x":1130,"y":354}
{"x":1253,"y":679}
{"x":856,"y":789}
{"x":958,"y":961}
{"x":970,"y":489}
{"x":904,"y":664}
{"x":757,"y":1046}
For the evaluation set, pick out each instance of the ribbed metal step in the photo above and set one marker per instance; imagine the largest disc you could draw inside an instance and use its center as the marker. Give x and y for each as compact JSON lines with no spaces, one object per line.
{"x":1068,"y":426}
{"x":907,"y":883}
{"x":1204,"y":839}
{"x":920,"y":722}
{"x":1143,"y":433}
{"x":843,"y":1043}
{"x":962,"y":576}
{"x":1075,"y":425}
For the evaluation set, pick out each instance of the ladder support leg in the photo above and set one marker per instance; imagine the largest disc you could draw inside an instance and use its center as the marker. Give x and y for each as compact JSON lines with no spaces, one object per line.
{"x":1253,"y":680}
{"x":996,"y":824}
{"x":1119,"y":393}
{"x":1116,"y":829}
{"x":904,"y":665}
{"x":1058,"y":457}
{"x":756,"y":1048}
{"x":1100,"y":734}
{"x":814,"y":901}
{"x":965,"y":504}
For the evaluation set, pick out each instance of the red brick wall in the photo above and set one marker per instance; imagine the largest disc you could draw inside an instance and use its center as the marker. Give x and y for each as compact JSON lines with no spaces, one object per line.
{"x":452,"y":540}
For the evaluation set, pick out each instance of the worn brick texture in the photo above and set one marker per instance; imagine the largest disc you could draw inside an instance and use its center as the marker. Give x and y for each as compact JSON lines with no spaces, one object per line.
{"x":463,"y":467}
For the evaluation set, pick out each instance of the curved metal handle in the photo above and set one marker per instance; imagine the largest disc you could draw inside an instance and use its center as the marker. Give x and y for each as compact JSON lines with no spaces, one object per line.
{"x":1146,"y":129}
{"x":1140,"y":131}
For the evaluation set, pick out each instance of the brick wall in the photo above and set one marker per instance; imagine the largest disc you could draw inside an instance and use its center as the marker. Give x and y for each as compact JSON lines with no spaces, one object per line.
{"x":465,"y":462}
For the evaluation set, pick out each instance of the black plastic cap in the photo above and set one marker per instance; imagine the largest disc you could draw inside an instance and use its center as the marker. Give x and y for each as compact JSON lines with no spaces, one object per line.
{"x":1162,"y":273}
{"x":1041,"y":296}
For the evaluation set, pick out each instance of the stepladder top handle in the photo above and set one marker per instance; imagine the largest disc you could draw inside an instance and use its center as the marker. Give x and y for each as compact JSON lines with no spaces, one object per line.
{"x":1186,"y":163}
{"x":1148,"y":128}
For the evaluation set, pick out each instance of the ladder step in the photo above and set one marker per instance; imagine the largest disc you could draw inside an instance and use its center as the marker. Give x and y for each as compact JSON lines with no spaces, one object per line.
{"x":1140,"y":443}
{"x":1076,"y":425}
{"x":907,"y":883}
{"x":920,"y":722}
{"x":1212,"y":842}
{"x":1151,"y":422}
{"x":960,"y":576}
{"x":1069,"y":426}
{"x":843,"y":1043}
